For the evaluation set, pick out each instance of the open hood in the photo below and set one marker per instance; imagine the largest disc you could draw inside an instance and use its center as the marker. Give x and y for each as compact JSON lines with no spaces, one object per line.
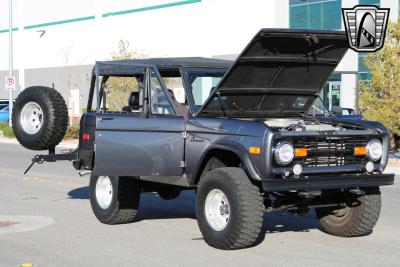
{"x":284,"y":61}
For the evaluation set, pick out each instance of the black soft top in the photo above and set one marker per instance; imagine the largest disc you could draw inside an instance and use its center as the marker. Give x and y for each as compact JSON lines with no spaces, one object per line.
{"x":137,"y":66}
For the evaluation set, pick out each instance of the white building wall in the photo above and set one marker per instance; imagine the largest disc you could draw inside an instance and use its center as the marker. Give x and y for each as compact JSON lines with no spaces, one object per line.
{"x":348,"y":91}
{"x":198,"y":28}
{"x":394,"y":8}
{"x":282,"y":13}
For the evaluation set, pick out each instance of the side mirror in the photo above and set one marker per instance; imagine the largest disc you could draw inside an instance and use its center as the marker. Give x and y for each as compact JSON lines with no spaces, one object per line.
{"x":336,"y":110}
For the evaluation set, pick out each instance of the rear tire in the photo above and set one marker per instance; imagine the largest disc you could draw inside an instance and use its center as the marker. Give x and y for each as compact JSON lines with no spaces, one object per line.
{"x":121,"y":204}
{"x":229,"y":209}
{"x":358,"y":219}
{"x":39,"y":118}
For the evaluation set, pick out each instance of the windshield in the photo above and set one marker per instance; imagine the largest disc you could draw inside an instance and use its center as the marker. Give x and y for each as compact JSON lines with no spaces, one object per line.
{"x":318,"y":108}
{"x":5,"y":109}
{"x":202,"y":81}
{"x":261,"y":105}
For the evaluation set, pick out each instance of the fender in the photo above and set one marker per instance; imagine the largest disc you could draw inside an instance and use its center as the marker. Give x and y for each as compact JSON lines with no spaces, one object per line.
{"x":233,"y":147}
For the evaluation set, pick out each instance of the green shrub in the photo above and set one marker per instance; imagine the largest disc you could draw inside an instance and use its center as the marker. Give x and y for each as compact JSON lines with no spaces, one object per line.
{"x":8,"y":132}
{"x":3,"y":125}
{"x":72,"y":133}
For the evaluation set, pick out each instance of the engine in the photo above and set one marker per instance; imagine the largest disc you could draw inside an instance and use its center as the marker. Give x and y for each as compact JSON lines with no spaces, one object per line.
{"x":296,"y":125}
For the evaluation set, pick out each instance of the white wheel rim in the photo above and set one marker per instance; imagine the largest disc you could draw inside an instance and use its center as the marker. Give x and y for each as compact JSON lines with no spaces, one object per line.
{"x":104,"y":192}
{"x":217,"y":210}
{"x":31,"y":118}
{"x":341,"y":212}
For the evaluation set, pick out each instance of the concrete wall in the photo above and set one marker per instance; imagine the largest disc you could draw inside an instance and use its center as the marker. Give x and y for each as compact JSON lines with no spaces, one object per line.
{"x":64,"y":79}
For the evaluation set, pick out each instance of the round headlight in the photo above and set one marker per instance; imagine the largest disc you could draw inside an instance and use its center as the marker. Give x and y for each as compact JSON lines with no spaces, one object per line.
{"x":374,"y":150}
{"x":284,"y":153}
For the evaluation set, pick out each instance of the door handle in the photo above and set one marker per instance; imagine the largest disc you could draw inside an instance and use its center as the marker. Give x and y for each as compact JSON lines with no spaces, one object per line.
{"x":105,"y":119}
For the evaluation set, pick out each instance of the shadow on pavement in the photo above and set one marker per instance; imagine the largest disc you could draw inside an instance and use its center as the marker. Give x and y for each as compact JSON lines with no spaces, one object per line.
{"x":152,"y":207}
{"x":79,"y":193}
{"x":279,"y":221}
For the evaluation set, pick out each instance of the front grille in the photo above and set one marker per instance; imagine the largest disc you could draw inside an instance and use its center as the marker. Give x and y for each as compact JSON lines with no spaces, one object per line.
{"x":330,"y":150}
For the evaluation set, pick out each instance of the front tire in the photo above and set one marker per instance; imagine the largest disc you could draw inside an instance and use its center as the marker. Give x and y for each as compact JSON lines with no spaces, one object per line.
{"x":229,"y":209}
{"x":114,"y":200}
{"x":357,"y":219}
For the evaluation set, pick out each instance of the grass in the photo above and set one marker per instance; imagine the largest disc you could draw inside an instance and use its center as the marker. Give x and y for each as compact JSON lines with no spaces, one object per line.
{"x":3,"y":125}
{"x":8,"y":132}
{"x":72,"y":132}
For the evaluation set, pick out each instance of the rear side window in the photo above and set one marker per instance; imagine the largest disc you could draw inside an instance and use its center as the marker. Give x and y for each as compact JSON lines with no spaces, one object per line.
{"x":117,"y":91}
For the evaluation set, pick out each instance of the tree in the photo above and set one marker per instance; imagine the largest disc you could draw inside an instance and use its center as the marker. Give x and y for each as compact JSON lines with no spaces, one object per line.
{"x":119,"y":88}
{"x":380,"y":97}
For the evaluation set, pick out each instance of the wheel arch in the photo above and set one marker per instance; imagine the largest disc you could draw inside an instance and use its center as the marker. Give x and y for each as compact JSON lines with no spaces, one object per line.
{"x":225,"y":155}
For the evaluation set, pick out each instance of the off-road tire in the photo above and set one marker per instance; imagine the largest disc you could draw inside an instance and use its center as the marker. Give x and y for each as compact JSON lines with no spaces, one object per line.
{"x":360,"y":219}
{"x":124,"y":204}
{"x":168,"y":192}
{"x":55,"y":118}
{"x":246,"y":209}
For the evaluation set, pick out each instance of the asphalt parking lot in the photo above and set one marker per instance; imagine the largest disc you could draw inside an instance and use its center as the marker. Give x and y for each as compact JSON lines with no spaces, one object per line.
{"x":56,"y":227}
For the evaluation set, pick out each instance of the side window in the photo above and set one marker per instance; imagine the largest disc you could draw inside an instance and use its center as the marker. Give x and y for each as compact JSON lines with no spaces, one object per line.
{"x":117,"y":92}
{"x":176,"y":85}
{"x":201,"y":87}
{"x":158,"y":100}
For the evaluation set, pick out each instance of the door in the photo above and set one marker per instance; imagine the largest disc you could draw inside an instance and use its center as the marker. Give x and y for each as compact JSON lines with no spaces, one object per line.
{"x":147,"y":143}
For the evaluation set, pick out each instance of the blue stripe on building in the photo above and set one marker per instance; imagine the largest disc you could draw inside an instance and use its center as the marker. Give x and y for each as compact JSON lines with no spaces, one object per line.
{"x":108,"y":14}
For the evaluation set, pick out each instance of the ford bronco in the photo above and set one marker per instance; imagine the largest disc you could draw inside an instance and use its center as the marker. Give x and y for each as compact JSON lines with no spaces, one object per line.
{"x":248,"y":136}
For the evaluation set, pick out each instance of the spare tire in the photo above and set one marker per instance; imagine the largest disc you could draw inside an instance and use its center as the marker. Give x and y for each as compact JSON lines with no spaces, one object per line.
{"x":39,"y":118}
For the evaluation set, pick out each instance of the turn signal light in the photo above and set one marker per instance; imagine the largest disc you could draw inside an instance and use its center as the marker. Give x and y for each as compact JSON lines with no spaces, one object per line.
{"x":300,"y":152}
{"x":86,"y":137}
{"x":360,"y":151}
{"x":255,"y":150}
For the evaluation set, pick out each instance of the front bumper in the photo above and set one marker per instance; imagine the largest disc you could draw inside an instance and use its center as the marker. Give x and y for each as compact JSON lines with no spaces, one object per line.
{"x":327,"y":182}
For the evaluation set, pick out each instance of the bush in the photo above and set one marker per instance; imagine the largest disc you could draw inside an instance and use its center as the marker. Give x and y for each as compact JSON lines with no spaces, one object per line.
{"x":8,"y":132}
{"x":3,"y":125}
{"x":72,"y":133}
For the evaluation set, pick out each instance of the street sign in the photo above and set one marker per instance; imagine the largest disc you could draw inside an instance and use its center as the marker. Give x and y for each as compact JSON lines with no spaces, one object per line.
{"x":10,"y":83}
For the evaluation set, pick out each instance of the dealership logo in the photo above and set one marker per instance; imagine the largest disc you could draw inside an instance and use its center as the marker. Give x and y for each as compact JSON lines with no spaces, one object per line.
{"x":365,"y":27}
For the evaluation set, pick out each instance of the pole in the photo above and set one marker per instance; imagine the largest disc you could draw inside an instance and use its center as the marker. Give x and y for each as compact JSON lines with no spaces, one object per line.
{"x":357,"y":104}
{"x":10,"y":59}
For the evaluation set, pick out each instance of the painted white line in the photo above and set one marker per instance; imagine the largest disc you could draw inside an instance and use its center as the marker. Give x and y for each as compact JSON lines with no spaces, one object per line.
{"x":24,"y":223}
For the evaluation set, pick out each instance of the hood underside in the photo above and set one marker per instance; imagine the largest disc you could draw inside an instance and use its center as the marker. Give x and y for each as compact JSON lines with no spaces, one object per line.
{"x":284,"y":61}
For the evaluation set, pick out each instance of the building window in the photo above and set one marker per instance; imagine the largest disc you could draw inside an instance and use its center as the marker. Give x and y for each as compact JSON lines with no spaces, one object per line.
{"x":369,"y":2}
{"x":331,"y":91}
{"x":315,"y":14}
{"x":364,"y":74}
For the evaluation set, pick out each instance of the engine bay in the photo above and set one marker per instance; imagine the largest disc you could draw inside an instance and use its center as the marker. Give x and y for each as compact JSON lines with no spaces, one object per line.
{"x":298,"y":125}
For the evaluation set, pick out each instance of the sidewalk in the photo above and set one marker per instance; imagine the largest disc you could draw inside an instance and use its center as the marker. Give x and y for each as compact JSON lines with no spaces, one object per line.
{"x":70,"y":144}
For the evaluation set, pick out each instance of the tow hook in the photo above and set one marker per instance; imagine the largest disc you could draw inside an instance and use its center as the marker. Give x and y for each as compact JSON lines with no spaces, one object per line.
{"x":357,"y":191}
